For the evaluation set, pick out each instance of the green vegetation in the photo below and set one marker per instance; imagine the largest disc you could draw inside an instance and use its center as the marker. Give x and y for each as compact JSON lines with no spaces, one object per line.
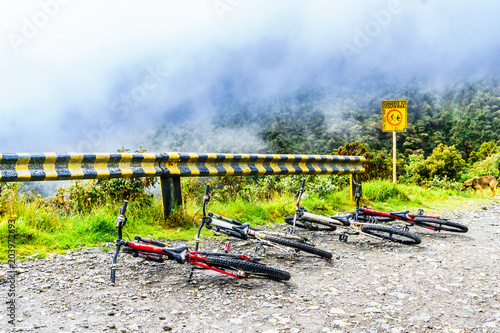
{"x":46,"y":225}
{"x":452,"y":136}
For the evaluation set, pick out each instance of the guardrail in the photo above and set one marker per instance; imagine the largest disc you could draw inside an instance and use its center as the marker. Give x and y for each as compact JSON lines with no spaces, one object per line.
{"x":169,"y":167}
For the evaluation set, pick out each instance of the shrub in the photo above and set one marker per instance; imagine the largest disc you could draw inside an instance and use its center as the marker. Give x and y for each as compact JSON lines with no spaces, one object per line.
{"x":486,"y":150}
{"x":445,"y":162}
{"x":83,"y":196}
{"x":487,"y":166}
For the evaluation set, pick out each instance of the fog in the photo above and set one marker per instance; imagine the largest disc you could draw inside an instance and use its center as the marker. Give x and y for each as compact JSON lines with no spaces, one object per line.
{"x":90,"y":76}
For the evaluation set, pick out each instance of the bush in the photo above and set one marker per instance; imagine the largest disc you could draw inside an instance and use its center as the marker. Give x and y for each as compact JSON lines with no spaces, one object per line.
{"x":443,"y":183}
{"x":83,"y":196}
{"x":484,"y":167}
{"x":445,"y":163}
{"x":486,"y":150}
{"x":262,"y":187}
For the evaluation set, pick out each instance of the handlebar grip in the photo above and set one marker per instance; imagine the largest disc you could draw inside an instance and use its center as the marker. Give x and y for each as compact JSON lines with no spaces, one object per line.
{"x":113,"y":274}
{"x":207,"y":189}
{"x":303,"y":183}
{"x":124,"y":207}
{"x":358,"y":189}
{"x":149,"y":241}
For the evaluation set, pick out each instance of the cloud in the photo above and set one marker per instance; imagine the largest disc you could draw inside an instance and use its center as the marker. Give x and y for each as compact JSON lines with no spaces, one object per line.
{"x":83,"y":75}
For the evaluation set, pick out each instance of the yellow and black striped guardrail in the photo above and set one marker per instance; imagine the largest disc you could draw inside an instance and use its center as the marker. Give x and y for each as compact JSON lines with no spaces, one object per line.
{"x":169,"y":167}
{"x":51,"y":166}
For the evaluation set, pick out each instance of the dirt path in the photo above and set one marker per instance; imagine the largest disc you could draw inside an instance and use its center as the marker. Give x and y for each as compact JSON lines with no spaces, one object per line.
{"x":449,"y":283}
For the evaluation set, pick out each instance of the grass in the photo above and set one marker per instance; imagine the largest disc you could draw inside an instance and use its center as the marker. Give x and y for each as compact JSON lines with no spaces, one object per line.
{"x":42,"y":230}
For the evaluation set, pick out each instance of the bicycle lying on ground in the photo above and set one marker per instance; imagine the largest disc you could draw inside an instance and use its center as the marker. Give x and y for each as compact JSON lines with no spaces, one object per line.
{"x":237,"y":266}
{"x":350,"y":224}
{"x":434,"y":223}
{"x":234,"y":228}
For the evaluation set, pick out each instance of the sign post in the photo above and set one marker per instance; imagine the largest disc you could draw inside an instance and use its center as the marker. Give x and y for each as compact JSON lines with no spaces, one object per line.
{"x":394,"y":120}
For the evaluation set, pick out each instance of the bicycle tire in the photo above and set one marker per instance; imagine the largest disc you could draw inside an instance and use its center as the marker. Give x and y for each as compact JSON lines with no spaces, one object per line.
{"x":440,"y":225}
{"x":299,"y":246}
{"x":392,"y":234}
{"x":310,"y":226}
{"x":250,"y":268}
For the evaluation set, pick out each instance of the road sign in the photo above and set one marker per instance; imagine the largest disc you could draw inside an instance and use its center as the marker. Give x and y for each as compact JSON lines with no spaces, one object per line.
{"x":394,"y":116}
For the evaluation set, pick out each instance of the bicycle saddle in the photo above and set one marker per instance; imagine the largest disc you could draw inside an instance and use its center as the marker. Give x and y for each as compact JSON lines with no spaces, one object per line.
{"x":238,"y":231}
{"x":401,"y":214}
{"x":176,"y":253}
{"x":342,"y":218}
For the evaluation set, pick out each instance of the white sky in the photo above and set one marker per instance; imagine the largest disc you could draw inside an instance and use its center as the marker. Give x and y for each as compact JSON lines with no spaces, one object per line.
{"x":59,"y":81}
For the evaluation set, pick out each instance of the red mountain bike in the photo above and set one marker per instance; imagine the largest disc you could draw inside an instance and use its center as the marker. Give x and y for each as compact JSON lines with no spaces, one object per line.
{"x":237,"y":266}
{"x":434,"y":223}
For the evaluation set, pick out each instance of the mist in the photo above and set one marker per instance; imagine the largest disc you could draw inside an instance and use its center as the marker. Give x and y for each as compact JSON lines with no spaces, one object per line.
{"x":87,"y":76}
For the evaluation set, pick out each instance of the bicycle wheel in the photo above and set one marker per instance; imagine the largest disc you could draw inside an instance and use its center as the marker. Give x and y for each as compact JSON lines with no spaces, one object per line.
{"x":392,"y":234}
{"x":308,"y":224}
{"x":249,"y":268}
{"x":299,"y":246}
{"x":440,"y":225}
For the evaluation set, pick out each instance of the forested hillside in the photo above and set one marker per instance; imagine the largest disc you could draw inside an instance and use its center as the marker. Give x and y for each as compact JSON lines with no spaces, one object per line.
{"x":318,"y":120}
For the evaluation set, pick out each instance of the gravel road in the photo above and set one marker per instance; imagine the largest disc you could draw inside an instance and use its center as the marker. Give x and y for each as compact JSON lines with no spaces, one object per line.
{"x":448,"y":283}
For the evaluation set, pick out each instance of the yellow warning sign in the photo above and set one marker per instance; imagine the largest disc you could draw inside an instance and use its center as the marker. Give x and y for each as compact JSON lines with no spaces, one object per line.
{"x":394,"y":116}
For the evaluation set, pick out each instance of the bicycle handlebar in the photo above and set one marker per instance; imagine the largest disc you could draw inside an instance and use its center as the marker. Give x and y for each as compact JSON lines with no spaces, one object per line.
{"x":207,"y":189}
{"x":120,"y":223}
{"x":302,"y":184}
{"x":124,"y":207}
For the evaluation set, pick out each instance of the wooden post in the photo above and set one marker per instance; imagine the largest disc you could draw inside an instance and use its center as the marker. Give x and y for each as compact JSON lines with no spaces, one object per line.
{"x":394,"y":157}
{"x":170,"y":193}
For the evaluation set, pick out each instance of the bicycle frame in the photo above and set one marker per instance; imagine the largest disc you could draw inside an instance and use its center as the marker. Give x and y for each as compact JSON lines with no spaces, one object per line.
{"x":180,"y":254}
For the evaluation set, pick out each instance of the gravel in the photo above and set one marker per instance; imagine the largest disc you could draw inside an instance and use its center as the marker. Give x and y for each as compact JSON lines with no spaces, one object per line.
{"x":448,"y":283}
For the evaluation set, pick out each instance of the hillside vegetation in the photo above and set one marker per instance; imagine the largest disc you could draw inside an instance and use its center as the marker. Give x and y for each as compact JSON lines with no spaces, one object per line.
{"x":452,"y":136}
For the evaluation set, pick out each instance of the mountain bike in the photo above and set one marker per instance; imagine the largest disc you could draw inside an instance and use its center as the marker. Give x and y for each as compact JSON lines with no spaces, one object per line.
{"x":234,"y":265}
{"x":350,"y":224}
{"x":434,"y":223}
{"x":237,"y":229}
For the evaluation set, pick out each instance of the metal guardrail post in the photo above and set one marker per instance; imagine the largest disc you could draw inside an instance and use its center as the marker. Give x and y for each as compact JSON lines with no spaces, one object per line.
{"x":170,"y":193}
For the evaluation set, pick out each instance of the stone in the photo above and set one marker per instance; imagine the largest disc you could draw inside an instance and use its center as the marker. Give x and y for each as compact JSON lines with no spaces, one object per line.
{"x":372,"y":310}
{"x":337,"y":311}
